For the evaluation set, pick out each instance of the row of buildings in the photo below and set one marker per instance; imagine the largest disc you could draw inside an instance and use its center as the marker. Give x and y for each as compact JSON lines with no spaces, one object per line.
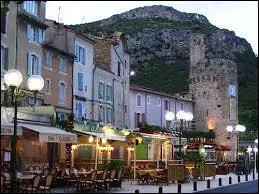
{"x":89,"y":76}
{"x":83,"y":74}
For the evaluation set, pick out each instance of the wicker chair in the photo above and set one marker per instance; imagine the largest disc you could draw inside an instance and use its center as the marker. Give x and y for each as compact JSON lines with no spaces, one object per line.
{"x":48,"y":183}
{"x":101,"y":183}
{"x":116,"y":183}
{"x":46,"y":172}
{"x":31,"y":168}
{"x":111,"y":178}
{"x":37,"y":168}
{"x":90,"y":185}
{"x":161,"y":177}
{"x":2,"y":183}
{"x":32,"y":187}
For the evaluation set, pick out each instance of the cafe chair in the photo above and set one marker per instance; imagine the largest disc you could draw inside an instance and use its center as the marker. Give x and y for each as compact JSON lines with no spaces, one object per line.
{"x":34,"y":187}
{"x":2,"y":183}
{"x":48,"y":184}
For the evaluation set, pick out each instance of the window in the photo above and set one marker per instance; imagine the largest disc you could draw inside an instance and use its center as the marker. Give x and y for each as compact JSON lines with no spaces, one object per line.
{"x":62,"y":65}
{"x":62,"y":93}
{"x":125,"y":65}
{"x":48,"y":59}
{"x":181,"y":105}
{"x":79,"y":110}
{"x":166,"y":104}
{"x":3,"y":22}
{"x":80,"y":81}
{"x":80,"y":54}
{"x":101,"y":92}
{"x":4,"y":58}
{"x":108,"y":114}
{"x":108,"y":92}
{"x":148,"y":99}
{"x":119,"y":69}
{"x":138,"y":100}
{"x":34,"y":34}
{"x":47,"y":86}
{"x":34,"y":64}
{"x":102,"y":114}
{"x":159,"y":102}
{"x":31,"y":7}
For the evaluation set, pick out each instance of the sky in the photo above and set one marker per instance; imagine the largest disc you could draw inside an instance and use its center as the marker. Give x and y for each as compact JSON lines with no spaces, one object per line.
{"x":238,"y":16}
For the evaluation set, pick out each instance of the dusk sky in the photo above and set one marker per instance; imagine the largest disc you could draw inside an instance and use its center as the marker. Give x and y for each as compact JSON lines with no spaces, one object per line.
{"x":238,"y":16}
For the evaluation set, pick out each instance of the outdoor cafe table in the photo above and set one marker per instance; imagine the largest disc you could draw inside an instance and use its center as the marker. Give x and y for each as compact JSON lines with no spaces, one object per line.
{"x":32,"y":172}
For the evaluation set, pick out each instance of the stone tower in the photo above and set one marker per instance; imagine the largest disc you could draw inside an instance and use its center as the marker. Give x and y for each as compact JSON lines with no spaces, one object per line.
{"x":213,"y":83}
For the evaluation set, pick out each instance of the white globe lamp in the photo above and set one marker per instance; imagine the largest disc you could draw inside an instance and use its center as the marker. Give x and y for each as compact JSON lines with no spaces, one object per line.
{"x":91,"y":139}
{"x":229,"y":128}
{"x":35,"y":83}
{"x":13,"y":77}
{"x":169,"y":116}
{"x":181,"y":115}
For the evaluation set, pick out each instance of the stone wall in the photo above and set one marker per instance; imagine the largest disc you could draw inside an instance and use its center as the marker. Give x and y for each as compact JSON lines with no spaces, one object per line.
{"x":209,"y":80}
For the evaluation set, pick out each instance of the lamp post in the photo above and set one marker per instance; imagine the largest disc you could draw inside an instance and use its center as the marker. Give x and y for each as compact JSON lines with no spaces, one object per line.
{"x":13,"y":79}
{"x":249,"y":150}
{"x":255,"y":151}
{"x":183,"y":117}
{"x":238,"y":129}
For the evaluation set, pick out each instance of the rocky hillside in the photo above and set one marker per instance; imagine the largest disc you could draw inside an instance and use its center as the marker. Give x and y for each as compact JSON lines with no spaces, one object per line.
{"x":158,"y":43}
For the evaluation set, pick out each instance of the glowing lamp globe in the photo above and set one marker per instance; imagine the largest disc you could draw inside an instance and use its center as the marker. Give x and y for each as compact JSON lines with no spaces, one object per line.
{"x":189,"y":116}
{"x":229,"y":128}
{"x":104,"y":140}
{"x":91,"y":139}
{"x":132,"y":73}
{"x":256,"y":140}
{"x":13,"y":77}
{"x":169,"y":116}
{"x":255,"y":149}
{"x":181,"y":115}
{"x":240,"y":128}
{"x":249,"y":149}
{"x":35,"y":83}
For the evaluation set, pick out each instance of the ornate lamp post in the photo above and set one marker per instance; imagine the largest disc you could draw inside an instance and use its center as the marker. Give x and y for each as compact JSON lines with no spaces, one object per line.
{"x":13,"y":79}
{"x":238,"y":129}
{"x":183,"y":117}
{"x":249,"y":150}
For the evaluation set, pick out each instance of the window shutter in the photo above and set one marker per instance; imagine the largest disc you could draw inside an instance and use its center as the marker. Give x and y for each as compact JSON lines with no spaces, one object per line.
{"x":136,"y":120}
{"x":103,"y":91}
{"x":29,"y":67}
{"x":3,"y":22}
{"x":77,"y":53}
{"x":40,"y":35}
{"x":83,"y":60}
{"x":5,"y":58}
{"x":143,"y":119}
{"x":29,"y":31}
{"x":39,"y":65}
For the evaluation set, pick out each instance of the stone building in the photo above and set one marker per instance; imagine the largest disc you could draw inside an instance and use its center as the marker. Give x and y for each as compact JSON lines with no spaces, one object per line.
{"x":22,"y":30}
{"x":57,"y":72}
{"x":213,"y":83}
{"x":111,"y":80}
{"x":81,"y":46}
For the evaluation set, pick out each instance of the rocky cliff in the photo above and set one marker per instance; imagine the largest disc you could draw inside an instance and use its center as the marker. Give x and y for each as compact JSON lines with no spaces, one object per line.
{"x":158,"y":43}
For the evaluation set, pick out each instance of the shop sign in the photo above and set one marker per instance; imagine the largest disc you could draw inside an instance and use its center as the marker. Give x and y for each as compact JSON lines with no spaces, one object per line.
{"x":59,"y":139}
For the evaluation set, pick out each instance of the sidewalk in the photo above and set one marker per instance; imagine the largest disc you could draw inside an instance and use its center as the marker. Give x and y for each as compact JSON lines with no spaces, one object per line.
{"x":186,"y":187}
{"x":127,"y":187}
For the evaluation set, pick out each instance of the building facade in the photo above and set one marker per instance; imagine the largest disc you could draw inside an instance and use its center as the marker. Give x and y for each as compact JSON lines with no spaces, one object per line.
{"x":81,"y":46}
{"x":150,"y":107}
{"x":57,"y":72}
{"x":21,"y":40}
{"x":111,"y":81}
{"x":213,"y":83}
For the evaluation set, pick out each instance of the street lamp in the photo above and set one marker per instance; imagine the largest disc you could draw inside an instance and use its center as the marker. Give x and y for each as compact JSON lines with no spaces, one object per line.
{"x":249,"y":150}
{"x":132,"y":73}
{"x":255,"y":151}
{"x":13,"y":79}
{"x":182,"y":116}
{"x":256,"y":141}
{"x":238,"y":129}
{"x":169,"y":116}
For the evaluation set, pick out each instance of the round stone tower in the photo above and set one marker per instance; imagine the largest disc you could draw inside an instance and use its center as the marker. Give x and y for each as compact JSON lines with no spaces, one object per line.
{"x":213,"y":83}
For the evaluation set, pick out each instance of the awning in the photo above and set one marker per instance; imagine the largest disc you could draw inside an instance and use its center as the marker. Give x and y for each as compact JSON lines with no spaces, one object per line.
{"x":101,"y":135}
{"x":8,"y":129}
{"x":52,"y":134}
